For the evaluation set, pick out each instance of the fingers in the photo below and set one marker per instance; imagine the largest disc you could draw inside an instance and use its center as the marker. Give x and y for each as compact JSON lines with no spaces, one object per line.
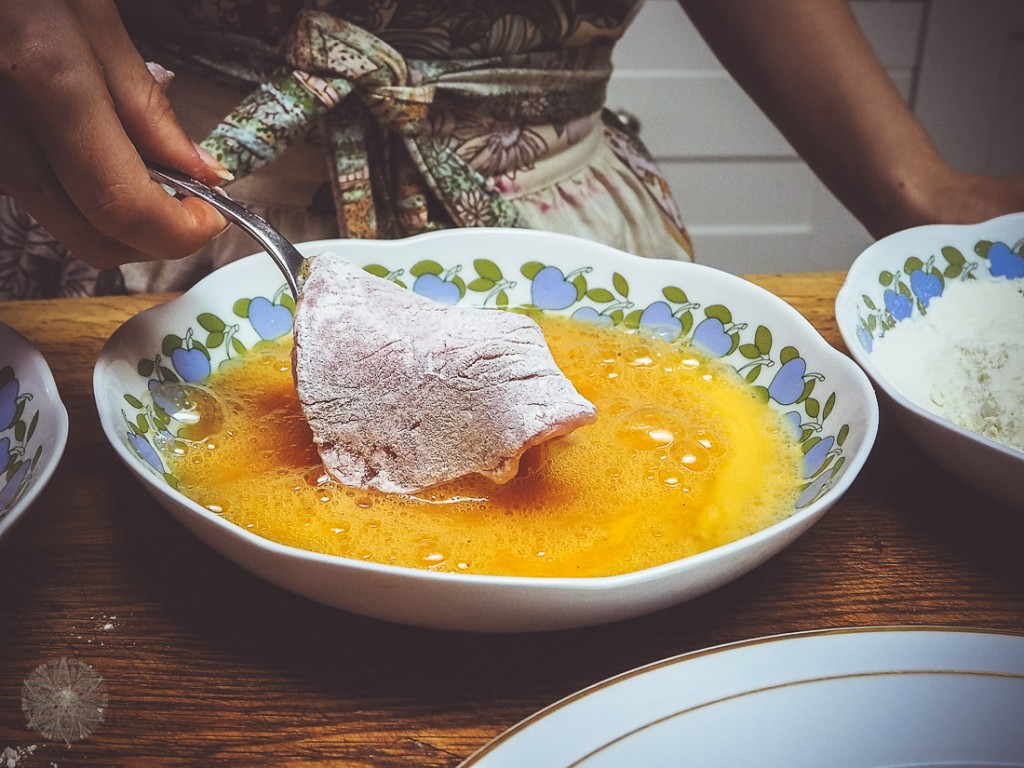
{"x":28,"y":178}
{"x":138,"y":97}
{"x":67,"y":156}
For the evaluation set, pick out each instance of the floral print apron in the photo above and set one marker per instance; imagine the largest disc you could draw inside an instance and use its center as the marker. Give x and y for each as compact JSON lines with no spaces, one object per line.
{"x":430,"y":114}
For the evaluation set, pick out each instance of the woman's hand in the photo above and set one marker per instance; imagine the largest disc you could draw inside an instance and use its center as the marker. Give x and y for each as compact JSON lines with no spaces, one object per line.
{"x":967,"y":198}
{"x":80,"y":109}
{"x":810,"y":69}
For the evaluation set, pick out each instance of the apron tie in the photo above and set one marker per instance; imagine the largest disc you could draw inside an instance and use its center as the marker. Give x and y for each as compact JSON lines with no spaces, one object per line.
{"x":359,"y":90}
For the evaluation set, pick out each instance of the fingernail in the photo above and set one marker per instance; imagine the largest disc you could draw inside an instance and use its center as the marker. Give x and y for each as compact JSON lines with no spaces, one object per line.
{"x":214,"y":164}
{"x":161,"y":74}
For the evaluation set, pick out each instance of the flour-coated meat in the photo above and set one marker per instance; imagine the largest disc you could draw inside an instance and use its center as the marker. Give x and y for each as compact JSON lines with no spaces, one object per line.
{"x":403,"y":393}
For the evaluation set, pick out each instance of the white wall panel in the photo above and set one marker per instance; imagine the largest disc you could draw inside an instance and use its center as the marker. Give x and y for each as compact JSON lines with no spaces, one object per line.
{"x":971,"y":92}
{"x":751,"y":205}
{"x":742,"y":193}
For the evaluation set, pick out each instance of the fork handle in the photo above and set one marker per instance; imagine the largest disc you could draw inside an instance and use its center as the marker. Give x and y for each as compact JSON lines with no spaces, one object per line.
{"x":284,"y":254}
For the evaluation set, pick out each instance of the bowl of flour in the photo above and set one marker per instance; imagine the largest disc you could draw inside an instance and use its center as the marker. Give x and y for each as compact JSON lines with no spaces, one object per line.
{"x":935,"y":316}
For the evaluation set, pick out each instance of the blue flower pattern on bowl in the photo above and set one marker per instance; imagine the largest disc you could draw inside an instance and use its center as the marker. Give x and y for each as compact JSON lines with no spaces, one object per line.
{"x":18,"y":452}
{"x":780,"y":375}
{"x":908,"y":292}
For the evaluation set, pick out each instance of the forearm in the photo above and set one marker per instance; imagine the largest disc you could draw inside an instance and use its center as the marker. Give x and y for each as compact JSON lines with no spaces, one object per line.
{"x":808,"y":66}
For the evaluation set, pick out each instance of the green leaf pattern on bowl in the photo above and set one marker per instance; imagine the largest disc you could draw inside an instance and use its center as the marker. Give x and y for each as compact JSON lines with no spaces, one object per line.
{"x":908,"y":292}
{"x":779,"y":375}
{"x":19,"y":452}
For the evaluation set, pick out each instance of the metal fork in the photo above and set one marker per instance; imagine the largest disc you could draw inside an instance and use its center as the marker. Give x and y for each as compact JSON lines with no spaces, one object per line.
{"x":284,"y":254}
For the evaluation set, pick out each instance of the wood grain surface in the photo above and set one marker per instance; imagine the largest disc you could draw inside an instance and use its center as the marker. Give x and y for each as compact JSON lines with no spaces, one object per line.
{"x":206,"y":665}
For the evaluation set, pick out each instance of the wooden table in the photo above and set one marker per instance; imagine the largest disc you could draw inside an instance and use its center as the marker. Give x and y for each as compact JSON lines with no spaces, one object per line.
{"x":206,"y":665}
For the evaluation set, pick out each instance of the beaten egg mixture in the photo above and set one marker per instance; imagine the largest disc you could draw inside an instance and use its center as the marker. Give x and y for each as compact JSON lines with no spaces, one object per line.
{"x":683,"y":457}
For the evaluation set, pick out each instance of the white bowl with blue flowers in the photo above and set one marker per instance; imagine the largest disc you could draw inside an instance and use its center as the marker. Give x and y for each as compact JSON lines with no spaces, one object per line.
{"x":893,"y":284}
{"x":825,"y":396}
{"x":33,"y":426}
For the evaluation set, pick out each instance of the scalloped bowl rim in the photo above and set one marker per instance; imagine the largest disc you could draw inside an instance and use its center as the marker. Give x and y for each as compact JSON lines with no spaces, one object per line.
{"x":876,"y":256}
{"x":597,"y":583}
{"x":40,"y":475}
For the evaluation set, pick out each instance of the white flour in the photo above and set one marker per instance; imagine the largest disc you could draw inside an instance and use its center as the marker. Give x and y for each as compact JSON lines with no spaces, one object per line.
{"x":964,"y":359}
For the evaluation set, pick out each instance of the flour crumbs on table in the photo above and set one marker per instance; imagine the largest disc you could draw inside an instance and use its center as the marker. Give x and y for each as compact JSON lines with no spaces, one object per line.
{"x":11,"y":756}
{"x":963,"y":359}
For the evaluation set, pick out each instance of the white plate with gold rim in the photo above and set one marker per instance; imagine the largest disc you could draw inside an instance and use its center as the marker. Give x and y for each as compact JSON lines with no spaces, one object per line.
{"x":854,"y":698}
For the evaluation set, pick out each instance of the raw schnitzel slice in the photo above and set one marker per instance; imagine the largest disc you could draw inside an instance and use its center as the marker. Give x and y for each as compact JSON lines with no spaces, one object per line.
{"x":403,"y":393}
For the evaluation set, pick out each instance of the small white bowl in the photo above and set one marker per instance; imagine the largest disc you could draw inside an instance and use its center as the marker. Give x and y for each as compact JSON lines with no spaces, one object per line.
{"x":33,"y":425}
{"x":889,"y":285}
{"x":829,"y":401}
